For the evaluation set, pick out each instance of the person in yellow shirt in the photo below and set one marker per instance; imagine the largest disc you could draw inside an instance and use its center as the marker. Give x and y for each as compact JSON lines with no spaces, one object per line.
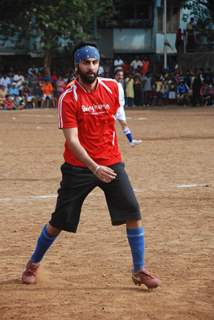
{"x":129,"y":90}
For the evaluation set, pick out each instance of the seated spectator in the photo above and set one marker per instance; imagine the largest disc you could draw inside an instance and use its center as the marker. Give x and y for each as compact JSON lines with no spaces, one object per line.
{"x":165,"y":91}
{"x":210,"y":100}
{"x":207,"y":94}
{"x":183,"y":93}
{"x":3,"y":93}
{"x":13,"y":90}
{"x":27,"y":96}
{"x":9,"y":103}
{"x":37,"y":95}
{"x":172,"y":91}
{"x":19,"y":102}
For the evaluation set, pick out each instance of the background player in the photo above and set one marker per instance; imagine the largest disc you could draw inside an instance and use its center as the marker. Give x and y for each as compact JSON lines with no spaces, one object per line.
{"x":120,"y":115}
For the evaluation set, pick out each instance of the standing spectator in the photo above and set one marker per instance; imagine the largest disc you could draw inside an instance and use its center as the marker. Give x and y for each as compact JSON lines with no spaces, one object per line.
{"x":101,"y":71}
{"x":145,"y":66}
{"x":147,"y":89}
{"x":210,"y":97}
{"x":179,"y":42}
{"x":136,"y":64}
{"x":118,"y":62}
{"x":54,"y":77}
{"x":208,"y":76}
{"x":158,"y":94}
{"x":191,"y":26}
{"x":129,"y":90}
{"x":19,"y":79}
{"x":126,"y":68}
{"x":138,"y":93}
{"x":196,"y":86}
{"x":60,"y":86}
{"x":107,"y":67}
{"x":5,"y":81}
{"x":119,"y":76}
{"x":47,"y":93}
{"x":188,"y":78}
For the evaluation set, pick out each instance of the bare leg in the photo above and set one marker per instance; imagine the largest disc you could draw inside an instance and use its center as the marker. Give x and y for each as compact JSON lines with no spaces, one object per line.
{"x":131,"y":224}
{"x":52,"y":231}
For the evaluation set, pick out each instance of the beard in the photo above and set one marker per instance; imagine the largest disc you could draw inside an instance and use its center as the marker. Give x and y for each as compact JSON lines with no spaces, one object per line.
{"x":88,"y":77}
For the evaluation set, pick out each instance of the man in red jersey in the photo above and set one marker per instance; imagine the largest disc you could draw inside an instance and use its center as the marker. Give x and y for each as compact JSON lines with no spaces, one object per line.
{"x":86,"y":111}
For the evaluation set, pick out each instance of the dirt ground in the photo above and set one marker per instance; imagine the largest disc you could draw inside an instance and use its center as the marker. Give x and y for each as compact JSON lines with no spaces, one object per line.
{"x":86,"y":276}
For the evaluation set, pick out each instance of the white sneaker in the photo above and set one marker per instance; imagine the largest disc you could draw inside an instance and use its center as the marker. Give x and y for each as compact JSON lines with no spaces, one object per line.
{"x":134,"y":142}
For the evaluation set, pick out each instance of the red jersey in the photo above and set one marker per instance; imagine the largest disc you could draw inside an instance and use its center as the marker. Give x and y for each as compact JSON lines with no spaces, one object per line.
{"x":93,"y":113}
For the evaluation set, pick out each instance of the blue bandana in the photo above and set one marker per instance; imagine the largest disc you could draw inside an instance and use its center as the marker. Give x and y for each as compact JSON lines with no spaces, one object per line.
{"x":85,"y":53}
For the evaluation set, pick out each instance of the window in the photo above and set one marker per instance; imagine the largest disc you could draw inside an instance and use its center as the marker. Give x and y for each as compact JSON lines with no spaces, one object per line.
{"x":130,"y":14}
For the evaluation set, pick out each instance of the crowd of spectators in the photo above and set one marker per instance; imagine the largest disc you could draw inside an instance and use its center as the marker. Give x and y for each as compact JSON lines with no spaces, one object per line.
{"x":35,"y":89}
{"x":143,"y":88}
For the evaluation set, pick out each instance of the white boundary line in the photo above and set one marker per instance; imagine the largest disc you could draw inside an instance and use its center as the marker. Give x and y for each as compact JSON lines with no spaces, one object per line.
{"x":28,"y":198}
{"x":194,"y":185}
{"x":140,"y":118}
{"x":53,"y":196}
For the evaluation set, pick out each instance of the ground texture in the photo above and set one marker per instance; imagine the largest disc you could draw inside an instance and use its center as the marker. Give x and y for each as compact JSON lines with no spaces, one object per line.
{"x":86,"y":276}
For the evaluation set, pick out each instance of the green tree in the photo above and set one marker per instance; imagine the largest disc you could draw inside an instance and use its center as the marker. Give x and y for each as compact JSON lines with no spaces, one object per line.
{"x":52,"y":20}
{"x":202,"y":10}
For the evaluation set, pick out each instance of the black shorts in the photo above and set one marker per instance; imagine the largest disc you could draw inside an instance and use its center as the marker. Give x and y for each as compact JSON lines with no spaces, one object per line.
{"x":78,"y":182}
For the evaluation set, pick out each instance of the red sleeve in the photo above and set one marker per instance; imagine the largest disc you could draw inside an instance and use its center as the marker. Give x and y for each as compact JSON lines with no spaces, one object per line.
{"x":67,"y":111}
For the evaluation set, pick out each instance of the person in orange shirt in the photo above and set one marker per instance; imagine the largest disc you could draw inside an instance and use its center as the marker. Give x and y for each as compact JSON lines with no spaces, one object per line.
{"x":47,"y":94}
{"x":145,"y":66}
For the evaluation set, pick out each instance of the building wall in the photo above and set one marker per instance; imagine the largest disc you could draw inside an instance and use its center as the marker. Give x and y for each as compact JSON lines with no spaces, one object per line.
{"x":132,"y":40}
{"x":105,"y":42}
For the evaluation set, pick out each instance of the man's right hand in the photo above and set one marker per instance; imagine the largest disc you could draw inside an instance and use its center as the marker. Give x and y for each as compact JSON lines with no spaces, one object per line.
{"x":105,"y":174}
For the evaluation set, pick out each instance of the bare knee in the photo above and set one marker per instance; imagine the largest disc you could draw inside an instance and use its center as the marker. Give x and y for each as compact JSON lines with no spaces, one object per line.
{"x":131,"y":224}
{"x":52,"y":231}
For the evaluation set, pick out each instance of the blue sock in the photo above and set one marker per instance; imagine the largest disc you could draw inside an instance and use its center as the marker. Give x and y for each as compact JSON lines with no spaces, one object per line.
{"x":128,"y":134}
{"x":136,"y":242}
{"x":43,"y":243}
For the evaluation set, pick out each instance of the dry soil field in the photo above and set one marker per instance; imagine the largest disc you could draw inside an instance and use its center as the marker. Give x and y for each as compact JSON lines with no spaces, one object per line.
{"x":86,"y":276}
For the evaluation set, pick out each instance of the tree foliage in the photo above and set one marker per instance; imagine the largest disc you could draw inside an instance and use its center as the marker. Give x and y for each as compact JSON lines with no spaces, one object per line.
{"x":52,"y":20}
{"x":202,"y":10}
